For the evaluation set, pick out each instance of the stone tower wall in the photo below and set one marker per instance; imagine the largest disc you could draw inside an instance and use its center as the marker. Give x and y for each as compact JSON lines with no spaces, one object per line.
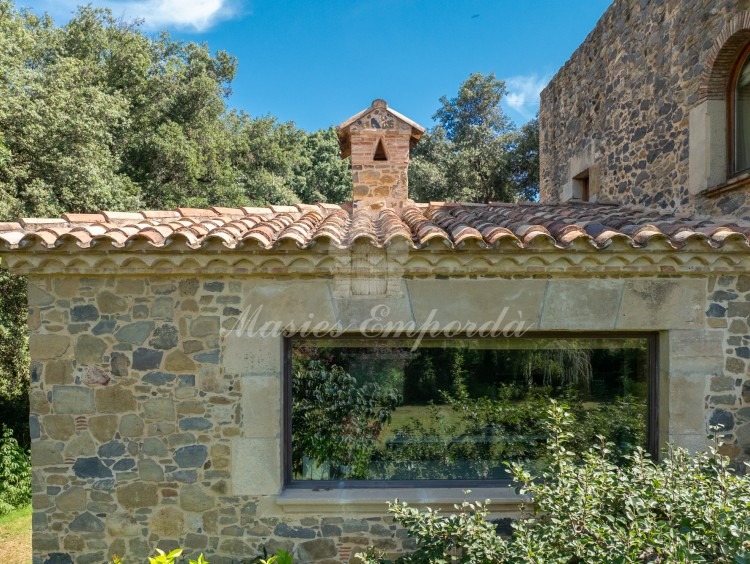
{"x":624,"y":107}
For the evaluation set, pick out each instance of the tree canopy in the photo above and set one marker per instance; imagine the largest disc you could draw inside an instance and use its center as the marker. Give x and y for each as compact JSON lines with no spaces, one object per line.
{"x":473,"y":153}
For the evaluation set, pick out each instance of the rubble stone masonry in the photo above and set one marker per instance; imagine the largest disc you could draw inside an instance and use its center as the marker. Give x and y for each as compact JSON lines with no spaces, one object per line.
{"x":155,"y":425}
{"x":640,"y":108}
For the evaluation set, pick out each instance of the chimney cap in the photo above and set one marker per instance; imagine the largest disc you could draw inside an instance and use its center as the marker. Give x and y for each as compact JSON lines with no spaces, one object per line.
{"x":342,"y":130}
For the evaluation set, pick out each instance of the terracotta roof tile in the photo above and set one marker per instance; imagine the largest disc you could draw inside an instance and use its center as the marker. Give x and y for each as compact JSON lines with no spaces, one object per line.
{"x":496,"y":225}
{"x":122,"y":216}
{"x":83,"y":217}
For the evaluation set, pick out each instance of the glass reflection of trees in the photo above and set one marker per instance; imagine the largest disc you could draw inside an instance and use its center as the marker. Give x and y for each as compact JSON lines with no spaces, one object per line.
{"x":365,"y":409}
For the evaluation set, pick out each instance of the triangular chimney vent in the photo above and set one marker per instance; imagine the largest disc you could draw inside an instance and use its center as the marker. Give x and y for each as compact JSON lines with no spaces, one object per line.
{"x":380,"y":154}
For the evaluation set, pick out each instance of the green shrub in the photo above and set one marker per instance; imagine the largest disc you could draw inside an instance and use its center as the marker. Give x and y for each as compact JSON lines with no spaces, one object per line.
{"x":164,"y":558}
{"x":15,"y":473}
{"x":588,"y":509}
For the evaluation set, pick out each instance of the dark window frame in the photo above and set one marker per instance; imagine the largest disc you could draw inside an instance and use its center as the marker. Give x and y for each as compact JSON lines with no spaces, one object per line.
{"x":652,"y":430}
{"x":739,"y":63}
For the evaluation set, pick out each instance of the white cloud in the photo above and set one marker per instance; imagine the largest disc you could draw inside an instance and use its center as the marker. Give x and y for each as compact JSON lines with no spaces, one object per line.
{"x":523,"y":93}
{"x":197,"y":15}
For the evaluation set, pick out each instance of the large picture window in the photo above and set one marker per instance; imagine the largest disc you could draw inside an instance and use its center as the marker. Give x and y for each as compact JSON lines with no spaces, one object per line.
{"x":450,"y":409}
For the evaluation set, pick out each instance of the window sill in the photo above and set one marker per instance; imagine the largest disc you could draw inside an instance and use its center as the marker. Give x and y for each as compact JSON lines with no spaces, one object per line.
{"x":735,"y":183}
{"x":374,"y":500}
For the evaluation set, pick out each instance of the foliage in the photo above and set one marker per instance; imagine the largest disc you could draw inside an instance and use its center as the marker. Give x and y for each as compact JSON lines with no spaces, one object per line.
{"x":15,"y":473}
{"x":14,"y":355}
{"x":281,"y":557}
{"x":473,"y":154}
{"x":164,"y":558}
{"x":588,"y":509}
{"x":335,"y":421}
{"x":95,"y":114}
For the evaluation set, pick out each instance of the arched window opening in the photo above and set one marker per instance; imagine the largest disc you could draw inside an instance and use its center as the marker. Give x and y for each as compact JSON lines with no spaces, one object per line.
{"x":740,"y":115}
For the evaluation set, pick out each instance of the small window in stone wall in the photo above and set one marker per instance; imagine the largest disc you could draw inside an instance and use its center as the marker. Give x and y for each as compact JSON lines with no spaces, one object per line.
{"x":455,"y":410}
{"x":581,"y":187}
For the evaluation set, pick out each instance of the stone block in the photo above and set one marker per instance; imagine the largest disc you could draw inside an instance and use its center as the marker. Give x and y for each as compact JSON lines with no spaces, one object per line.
{"x":72,"y":400}
{"x":583,"y":304}
{"x":150,"y":471}
{"x":37,"y":296}
{"x":191,"y":456}
{"x":159,"y":409}
{"x":89,"y":349}
{"x":499,"y":304}
{"x":103,"y":427}
{"x":72,"y":499}
{"x":59,"y":427}
{"x":662,"y":304}
{"x":147,"y":359}
{"x":87,"y":523}
{"x":261,"y":406}
{"x":109,"y":302}
{"x":317,"y":549}
{"x":178,"y":361}
{"x":252,"y":355}
{"x":256,"y":466}
{"x":196,"y":499}
{"x":135,"y":333}
{"x":48,"y":346}
{"x":686,"y":404}
{"x":115,"y":399}
{"x":162,"y":308}
{"x":58,"y":372}
{"x":137,"y":495}
{"x":352,"y":311}
{"x":121,"y":524}
{"x":205,"y":326}
{"x":125,"y":286}
{"x":80,"y":445}
{"x":91,"y":467}
{"x":131,"y":426}
{"x":81,"y":313}
{"x":168,"y":522}
{"x":696,"y":352}
{"x":46,"y":453}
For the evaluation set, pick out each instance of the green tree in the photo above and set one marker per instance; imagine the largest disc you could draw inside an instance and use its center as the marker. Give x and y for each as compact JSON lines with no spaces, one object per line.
{"x":473,"y":153}
{"x":524,"y":161}
{"x":14,"y":355}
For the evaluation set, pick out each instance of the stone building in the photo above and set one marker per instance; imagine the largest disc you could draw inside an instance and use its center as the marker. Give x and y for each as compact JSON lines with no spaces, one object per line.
{"x":182,"y":383}
{"x":651,"y":110}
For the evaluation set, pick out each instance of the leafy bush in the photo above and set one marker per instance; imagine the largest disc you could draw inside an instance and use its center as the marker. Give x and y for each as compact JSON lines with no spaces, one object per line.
{"x":15,"y":473}
{"x":165,"y":558}
{"x":588,"y":509}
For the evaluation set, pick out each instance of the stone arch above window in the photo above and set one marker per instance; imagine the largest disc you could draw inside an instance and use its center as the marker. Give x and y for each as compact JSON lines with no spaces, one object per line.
{"x":722,"y":58}
{"x":710,"y":163}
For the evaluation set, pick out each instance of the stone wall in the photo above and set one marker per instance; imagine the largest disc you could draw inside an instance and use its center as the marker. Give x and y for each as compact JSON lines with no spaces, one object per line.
{"x":134,"y":424}
{"x":728,"y":398}
{"x":155,"y":423}
{"x":627,"y":107}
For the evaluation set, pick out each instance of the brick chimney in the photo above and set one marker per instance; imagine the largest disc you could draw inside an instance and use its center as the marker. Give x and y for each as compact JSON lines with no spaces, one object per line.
{"x":379,"y":140}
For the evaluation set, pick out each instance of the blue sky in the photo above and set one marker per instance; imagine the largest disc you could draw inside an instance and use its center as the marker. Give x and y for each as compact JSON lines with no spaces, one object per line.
{"x":316,"y":62}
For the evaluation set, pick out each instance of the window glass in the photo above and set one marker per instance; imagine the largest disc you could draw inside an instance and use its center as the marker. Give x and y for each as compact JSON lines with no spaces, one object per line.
{"x":742,"y":119}
{"x":455,"y":409}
